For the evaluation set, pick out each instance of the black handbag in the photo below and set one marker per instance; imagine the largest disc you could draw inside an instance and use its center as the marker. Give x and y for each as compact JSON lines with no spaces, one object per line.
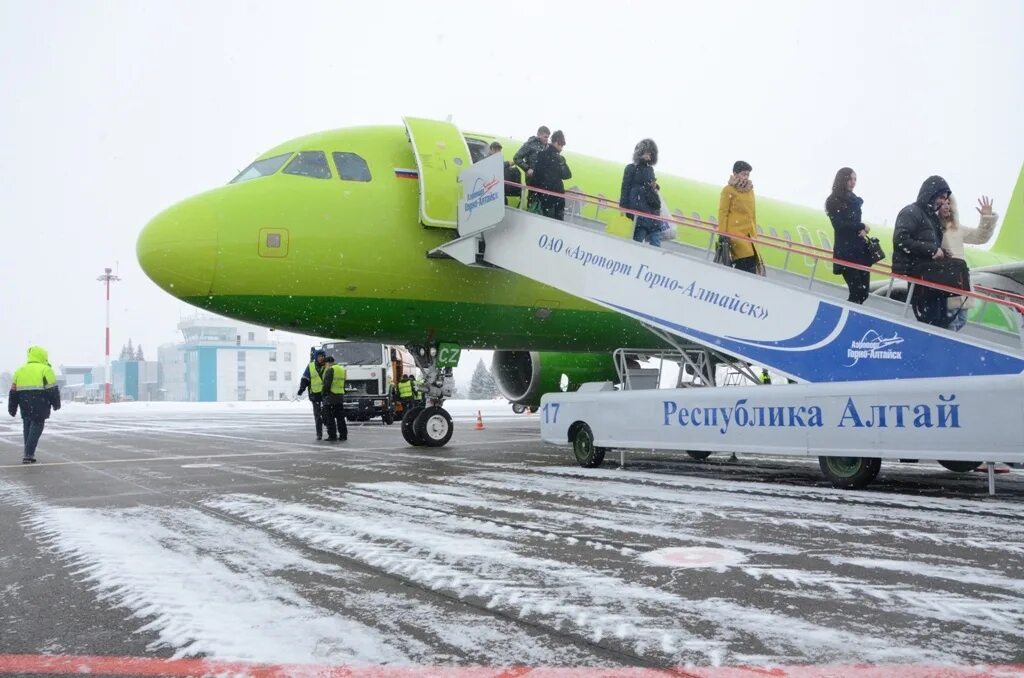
{"x":946,"y":271}
{"x":723,"y":251}
{"x":875,"y":251}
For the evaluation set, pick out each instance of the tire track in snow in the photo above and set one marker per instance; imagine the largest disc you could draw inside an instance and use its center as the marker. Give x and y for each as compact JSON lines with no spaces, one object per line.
{"x":209,"y":586}
{"x":590,"y":602}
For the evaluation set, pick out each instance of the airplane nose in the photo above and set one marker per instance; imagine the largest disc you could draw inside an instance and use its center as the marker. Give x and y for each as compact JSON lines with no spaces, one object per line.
{"x":178,"y":250}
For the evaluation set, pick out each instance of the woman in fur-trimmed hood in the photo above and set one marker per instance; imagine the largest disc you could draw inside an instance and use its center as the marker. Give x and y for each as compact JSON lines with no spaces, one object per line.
{"x":646,"y":147}
{"x":640,"y":192}
{"x":954,"y":236}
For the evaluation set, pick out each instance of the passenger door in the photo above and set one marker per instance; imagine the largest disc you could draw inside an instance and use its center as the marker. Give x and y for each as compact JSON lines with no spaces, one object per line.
{"x":441,"y":154}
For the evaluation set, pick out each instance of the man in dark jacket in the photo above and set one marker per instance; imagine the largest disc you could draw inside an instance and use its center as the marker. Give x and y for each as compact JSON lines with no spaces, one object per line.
{"x":34,"y":391}
{"x":334,"y":401}
{"x":526,"y":157}
{"x":550,"y":173}
{"x":917,"y":238}
{"x":313,"y":379}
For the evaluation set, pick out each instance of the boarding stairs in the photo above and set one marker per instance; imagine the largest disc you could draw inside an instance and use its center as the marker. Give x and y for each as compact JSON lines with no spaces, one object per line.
{"x":793,"y":324}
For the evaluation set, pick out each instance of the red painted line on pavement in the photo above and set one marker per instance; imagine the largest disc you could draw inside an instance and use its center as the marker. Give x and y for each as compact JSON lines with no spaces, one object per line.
{"x":175,"y":668}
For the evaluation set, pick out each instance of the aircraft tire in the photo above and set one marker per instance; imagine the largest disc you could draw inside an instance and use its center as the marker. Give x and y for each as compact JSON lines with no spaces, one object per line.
{"x":518,"y":408}
{"x":699,"y":455}
{"x":407,"y":427}
{"x":960,"y":466}
{"x":389,"y":416}
{"x":433,"y":425}
{"x":587,"y":455}
{"x":850,"y":472}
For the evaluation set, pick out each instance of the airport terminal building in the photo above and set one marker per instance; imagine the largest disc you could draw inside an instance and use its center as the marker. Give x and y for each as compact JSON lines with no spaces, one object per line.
{"x":225,"y":360}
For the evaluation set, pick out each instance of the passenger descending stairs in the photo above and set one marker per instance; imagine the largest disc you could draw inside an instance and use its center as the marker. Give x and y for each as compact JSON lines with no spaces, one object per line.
{"x":792,"y":324}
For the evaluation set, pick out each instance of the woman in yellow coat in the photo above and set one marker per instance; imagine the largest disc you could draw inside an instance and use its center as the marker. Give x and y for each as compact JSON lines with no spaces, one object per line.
{"x":737,"y":215}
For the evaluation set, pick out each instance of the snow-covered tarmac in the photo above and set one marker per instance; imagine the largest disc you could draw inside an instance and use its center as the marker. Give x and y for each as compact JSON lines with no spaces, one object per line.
{"x":224,"y":531}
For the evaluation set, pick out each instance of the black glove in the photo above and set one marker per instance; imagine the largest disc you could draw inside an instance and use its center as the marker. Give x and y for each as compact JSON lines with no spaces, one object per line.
{"x":301,"y":389}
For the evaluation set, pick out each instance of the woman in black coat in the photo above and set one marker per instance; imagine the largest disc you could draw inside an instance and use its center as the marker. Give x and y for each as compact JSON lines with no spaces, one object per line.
{"x":640,"y":192}
{"x":843,"y":210}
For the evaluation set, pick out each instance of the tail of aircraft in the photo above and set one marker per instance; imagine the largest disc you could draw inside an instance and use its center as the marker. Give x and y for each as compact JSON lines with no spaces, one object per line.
{"x":1010,"y":241}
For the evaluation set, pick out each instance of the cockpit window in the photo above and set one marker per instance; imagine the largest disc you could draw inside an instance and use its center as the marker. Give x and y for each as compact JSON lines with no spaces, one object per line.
{"x":309,"y":164}
{"x":262,"y":168}
{"x":351,"y":167}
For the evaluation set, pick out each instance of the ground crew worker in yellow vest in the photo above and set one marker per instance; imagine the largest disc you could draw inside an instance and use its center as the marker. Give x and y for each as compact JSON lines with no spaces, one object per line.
{"x":406,"y":393}
{"x":334,"y":401}
{"x":34,"y":391}
{"x":313,"y":379}
{"x":765,"y":379}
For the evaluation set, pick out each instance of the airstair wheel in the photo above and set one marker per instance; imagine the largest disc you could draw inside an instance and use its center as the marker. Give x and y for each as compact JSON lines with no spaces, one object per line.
{"x":850,"y":472}
{"x":586,"y":453}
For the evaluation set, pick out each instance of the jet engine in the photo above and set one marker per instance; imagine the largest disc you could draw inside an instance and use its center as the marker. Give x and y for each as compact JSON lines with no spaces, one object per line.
{"x":524,"y":376}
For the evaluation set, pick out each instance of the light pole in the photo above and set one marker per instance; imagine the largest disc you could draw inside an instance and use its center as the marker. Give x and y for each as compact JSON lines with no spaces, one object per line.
{"x":107,"y":278}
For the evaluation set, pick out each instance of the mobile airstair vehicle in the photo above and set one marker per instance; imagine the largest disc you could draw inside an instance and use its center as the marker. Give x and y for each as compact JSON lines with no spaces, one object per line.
{"x":870,"y":377}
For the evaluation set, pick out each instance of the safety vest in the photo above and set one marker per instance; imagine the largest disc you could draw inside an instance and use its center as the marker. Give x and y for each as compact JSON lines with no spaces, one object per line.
{"x":765,"y":379}
{"x":34,"y":377}
{"x":36,"y":374}
{"x":405,"y":389}
{"x":316,"y":382}
{"x":338,"y":383}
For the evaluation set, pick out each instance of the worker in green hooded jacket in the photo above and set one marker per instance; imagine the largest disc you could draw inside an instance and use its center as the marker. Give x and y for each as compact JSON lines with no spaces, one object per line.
{"x":34,"y":391}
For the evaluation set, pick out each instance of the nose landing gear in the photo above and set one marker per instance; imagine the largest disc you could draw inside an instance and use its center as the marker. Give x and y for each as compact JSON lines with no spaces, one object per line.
{"x":429,"y":424}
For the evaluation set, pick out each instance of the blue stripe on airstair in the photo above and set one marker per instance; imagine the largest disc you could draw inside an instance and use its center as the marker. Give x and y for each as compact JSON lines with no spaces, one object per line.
{"x":852,"y":346}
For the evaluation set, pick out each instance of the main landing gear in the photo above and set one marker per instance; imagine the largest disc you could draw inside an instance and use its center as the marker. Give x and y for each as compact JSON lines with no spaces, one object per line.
{"x":429,"y":424}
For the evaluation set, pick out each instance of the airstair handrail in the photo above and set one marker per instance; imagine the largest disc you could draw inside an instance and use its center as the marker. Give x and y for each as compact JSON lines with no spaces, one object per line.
{"x":788,"y":247}
{"x":1000,"y":293}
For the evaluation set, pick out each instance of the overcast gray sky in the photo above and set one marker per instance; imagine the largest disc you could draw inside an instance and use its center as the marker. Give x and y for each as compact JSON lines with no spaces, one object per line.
{"x":114,"y":110}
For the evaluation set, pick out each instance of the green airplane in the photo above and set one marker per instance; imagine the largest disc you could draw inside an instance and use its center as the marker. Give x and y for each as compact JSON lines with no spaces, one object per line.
{"x":328,"y":235}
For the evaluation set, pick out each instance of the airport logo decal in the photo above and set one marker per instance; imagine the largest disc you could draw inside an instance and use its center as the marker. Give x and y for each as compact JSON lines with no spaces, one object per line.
{"x":483,"y":192}
{"x":874,"y":346}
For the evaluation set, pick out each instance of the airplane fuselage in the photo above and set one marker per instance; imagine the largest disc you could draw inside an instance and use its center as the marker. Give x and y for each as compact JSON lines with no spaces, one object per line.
{"x":347,"y":259}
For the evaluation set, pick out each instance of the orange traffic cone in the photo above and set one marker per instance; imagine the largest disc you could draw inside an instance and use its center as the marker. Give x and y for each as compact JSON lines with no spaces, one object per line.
{"x":479,"y":422}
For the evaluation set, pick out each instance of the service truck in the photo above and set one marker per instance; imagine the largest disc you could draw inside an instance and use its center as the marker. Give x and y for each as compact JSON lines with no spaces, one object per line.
{"x":371,"y":374}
